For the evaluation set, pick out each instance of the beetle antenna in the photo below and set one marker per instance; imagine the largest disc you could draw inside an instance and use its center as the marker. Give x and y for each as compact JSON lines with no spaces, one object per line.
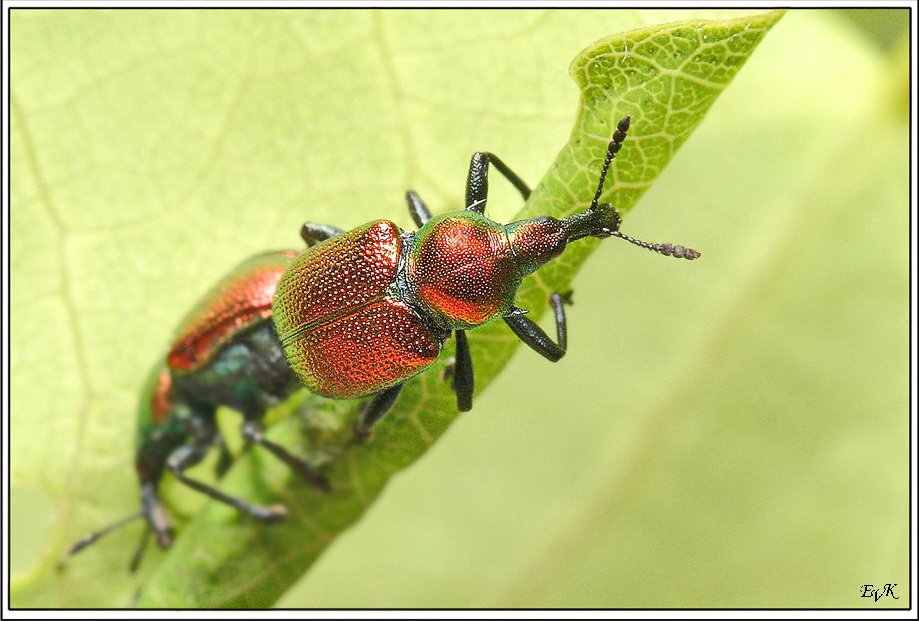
{"x":611,"y":150}
{"x":92,"y":538}
{"x":670,"y":250}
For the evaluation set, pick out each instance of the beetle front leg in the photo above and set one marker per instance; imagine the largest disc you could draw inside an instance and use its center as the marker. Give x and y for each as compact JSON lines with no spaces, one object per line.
{"x":477,"y":180}
{"x":530,"y":333}
{"x":252,"y":432}
{"x":314,"y":233}
{"x":190,"y":454}
{"x":375,"y":410}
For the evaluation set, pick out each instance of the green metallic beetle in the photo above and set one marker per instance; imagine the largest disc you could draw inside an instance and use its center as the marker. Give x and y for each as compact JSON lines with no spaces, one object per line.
{"x":358,"y":313}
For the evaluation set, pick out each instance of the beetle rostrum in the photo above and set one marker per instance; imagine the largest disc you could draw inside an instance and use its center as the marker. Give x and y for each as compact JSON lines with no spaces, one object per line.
{"x":358,"y":313}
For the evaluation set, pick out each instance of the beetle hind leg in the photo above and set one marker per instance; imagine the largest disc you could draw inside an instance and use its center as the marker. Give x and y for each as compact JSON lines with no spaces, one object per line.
{"x":252,"y":432}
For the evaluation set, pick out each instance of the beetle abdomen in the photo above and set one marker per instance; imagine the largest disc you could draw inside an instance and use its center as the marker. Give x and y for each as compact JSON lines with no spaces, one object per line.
{"x":235,"y":304}
{"x":342,"y":333}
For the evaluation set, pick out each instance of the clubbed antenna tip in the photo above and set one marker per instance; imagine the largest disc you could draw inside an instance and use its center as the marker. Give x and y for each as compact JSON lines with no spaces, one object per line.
{"x":680,"y":252}
{"x":612,"y":149}
{"x":669,"y":250}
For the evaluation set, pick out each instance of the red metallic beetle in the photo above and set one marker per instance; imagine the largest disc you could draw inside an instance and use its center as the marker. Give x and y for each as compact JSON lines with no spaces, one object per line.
{"x":357,"y":313}
{"x":367,"y":309}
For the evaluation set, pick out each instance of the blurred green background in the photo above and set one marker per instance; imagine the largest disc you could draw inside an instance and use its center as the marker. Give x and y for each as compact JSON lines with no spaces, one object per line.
{"x":732,"y":432}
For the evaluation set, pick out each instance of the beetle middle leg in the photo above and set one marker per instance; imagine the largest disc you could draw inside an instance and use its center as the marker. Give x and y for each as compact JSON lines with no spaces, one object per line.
{"x":374,"y":410}
{"x":314,"y":233}
{"x":530,"y":333}
{"x":463,"y":376}
{"x":252,"y":431}
{"x":188,"y":455}
{"x":477,"y":180}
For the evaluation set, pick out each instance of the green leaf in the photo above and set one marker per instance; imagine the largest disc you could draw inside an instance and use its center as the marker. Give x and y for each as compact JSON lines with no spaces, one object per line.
{"x":134,"y":173}
{"x":731,"y":434}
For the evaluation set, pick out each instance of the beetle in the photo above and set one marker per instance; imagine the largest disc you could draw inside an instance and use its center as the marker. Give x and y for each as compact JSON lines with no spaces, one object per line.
{"x":225,"y":353}
{"x":370,"y":308}
{"x":358,"y":313}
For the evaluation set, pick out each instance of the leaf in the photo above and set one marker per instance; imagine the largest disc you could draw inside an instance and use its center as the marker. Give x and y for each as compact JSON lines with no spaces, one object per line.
{"x":137,"y":131}
{"x":731,"y":434}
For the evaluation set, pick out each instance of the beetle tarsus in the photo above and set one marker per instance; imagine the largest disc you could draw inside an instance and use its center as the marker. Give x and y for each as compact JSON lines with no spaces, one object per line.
{"x":566,"y":298}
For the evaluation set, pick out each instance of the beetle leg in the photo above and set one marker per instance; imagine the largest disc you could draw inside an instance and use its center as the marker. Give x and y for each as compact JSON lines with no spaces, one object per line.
{"x":92,"y":538}
{"x":534,"y":336}
{"x":463,"y":377}
{"x":224,"y":459}
{"x":138,"y":555}
{"x":477,"y":180}
{"x":252,"y":431}
{"x":417,"y":209}
{"x":313,"y":233}
{"x":374,"y":410}
{"x":190,"y":454}
{"x":155,"y":514}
